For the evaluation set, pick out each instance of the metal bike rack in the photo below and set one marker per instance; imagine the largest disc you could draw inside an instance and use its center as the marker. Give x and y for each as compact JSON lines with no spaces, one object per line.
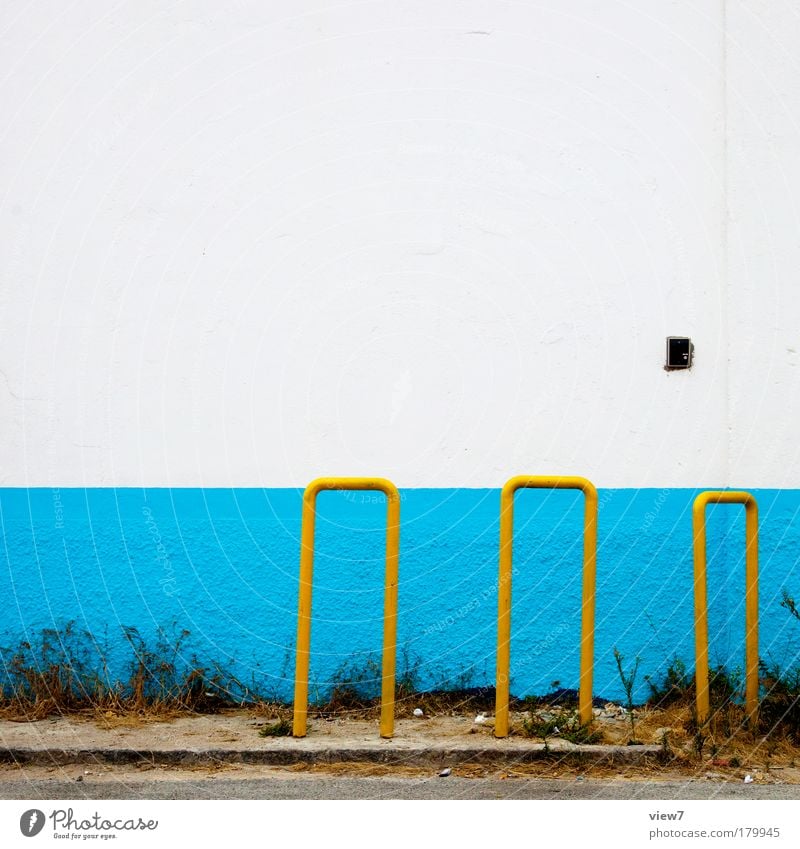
{"x":701,"y":599}
{"x":504,"y":590}
{"x":390,"y":596}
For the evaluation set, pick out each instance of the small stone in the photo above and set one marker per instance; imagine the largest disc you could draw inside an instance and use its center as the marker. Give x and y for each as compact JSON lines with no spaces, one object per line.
{"x":419,"y":712}
{"x":748,"y":779}
{"x":445,"y":772}
{"x":79,"y":778}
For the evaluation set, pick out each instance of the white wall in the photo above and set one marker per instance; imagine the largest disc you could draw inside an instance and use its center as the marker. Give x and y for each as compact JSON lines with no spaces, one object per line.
{"x":251,"y":243}
{"x":764,"y":240}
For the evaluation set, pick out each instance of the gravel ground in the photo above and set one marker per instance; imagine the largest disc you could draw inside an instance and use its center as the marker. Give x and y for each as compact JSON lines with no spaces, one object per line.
{"x":270,"y":783}
{"x":96,"y":743}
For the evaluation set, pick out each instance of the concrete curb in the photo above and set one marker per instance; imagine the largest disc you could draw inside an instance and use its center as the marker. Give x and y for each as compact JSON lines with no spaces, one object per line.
{"x":285,"y":755}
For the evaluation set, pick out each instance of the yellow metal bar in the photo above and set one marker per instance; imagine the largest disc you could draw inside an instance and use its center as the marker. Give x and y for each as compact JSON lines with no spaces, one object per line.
{"x":504,"y":590}
{"x":389,"y":603}
{"x":701,"y":599}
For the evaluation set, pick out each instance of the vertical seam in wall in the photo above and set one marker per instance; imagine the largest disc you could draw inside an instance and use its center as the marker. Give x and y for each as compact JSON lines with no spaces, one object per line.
{"x":725,"y":288}
{"x":730,"y":517}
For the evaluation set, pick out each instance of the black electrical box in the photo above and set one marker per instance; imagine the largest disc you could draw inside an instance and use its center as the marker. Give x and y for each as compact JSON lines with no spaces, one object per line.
{"x":679,"y":352}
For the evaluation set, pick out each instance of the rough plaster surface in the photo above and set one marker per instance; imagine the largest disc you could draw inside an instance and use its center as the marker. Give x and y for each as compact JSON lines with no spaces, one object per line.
{"x":223,"y":564}
{"x":440,"y":242}
{"x":437,"y":242}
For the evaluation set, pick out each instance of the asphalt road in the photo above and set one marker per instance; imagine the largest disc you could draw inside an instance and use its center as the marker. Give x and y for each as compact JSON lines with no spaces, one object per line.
{"x":335,"y":787}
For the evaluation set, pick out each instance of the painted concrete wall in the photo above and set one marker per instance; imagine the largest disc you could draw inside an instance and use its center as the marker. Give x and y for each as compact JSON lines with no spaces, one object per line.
{"x":246,"y":245}
{"x":763,"y":241}
{"x":223,"y":565}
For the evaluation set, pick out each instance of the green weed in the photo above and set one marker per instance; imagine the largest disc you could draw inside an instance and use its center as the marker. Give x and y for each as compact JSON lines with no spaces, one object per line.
{"x":559,"y":722}
{"x":281,"y":728}
{"x":68,"y":671}
{"x":628,"y":680}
